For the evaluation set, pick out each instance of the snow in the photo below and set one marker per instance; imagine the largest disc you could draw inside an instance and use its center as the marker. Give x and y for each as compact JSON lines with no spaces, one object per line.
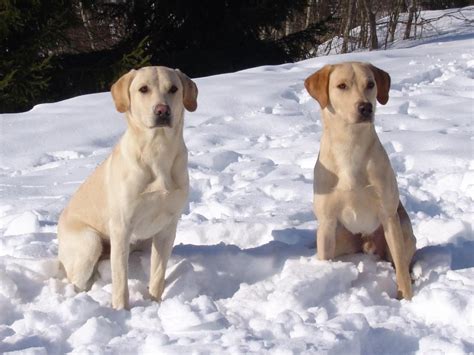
{"x":243,"y":277}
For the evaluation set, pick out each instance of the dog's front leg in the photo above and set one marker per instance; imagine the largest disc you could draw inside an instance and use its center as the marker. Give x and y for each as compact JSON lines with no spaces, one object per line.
{"x":119,"y":252}
{"x":326,"y":239}
{"x":160,"y":253}
{"x":396,"y":245}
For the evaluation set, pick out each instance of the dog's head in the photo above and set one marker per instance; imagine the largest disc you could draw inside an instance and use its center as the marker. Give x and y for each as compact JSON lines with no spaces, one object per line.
{"x":155,"y":97}
{"x":349,"y":90}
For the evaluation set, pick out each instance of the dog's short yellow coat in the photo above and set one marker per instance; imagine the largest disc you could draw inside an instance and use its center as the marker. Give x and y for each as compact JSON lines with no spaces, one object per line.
{"x":139,"y":191}
{"x":356,"y":199}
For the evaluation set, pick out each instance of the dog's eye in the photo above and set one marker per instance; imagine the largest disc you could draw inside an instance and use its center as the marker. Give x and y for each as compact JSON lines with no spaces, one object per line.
{"x":173,"y":89}
{"x":342,"y":86}
{"x":370,"y":85}
{"x":143,"y":89}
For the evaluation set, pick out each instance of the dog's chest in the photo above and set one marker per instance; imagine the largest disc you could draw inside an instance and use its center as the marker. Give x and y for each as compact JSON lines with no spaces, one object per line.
{"x":160,"y":203}
{"x":358,"y":202}
{"x":359,"y":215}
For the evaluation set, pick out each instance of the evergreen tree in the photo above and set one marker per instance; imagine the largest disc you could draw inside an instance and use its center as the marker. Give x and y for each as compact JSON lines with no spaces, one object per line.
{"x":30,"y":30}
{"x":210,"y":36}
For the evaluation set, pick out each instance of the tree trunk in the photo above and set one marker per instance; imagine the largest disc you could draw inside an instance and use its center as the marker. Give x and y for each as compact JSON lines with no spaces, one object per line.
{"x":287,"y":27}
{"x":87,"y":25}
{"x":348,"y":25}
{"x":389,"y":26}
{"x":417,"y":16}
{"x":363,"y":30}
{"x":396,"y":15}
{"x":308,"y":14}
{"x":411,"y":15}
{"x":374,"y":42}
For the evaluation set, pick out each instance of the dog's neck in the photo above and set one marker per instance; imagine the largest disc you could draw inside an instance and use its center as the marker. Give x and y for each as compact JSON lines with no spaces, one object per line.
{"x":154,"y":151}
{"x":344,"y":144}
{"x":151,"y":143}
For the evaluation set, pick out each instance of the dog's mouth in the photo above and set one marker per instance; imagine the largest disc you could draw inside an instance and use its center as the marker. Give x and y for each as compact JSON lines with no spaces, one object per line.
{"x":162,"y":123}
{"x":365,"y":119}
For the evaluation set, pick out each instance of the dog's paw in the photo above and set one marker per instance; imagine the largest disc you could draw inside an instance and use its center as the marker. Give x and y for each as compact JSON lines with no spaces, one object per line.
{"x":369,"y":247}
{"x":405,"y":295}
{"x":120,"y":307}
{"x":156,"y":299}
{"x":120,"y":303}
{"x":156,"y":292}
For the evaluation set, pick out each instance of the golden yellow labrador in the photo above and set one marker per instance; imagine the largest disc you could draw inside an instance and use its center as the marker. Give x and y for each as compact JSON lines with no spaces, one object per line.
{"x":356,"y":199}
{"x":139,"y":191}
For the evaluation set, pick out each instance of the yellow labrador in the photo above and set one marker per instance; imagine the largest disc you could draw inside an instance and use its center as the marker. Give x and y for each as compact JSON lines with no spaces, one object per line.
{"x":356,"y":199}
{"x":139,"y":191}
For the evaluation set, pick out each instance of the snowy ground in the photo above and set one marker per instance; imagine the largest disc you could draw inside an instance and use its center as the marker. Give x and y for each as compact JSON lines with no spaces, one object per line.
{"x":243,"y":277}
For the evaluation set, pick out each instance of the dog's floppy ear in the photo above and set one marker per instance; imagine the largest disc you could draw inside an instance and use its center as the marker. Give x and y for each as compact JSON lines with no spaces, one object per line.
{"x":190,"y":91}
{"x":120,"y":92}
{"x":317,"y":85}
{"x":382,"y":79}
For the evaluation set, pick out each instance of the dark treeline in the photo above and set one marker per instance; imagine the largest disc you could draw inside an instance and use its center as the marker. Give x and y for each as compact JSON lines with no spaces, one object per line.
{"x":55,"y":49}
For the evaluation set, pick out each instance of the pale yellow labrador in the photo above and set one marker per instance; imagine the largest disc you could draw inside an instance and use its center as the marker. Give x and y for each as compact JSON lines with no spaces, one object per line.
{"x":139,"y":191}
{"x":356,"y":199}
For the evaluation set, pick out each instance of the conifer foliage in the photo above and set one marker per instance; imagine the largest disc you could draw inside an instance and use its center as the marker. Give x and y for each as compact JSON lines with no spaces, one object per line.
{"x":30,"y":30}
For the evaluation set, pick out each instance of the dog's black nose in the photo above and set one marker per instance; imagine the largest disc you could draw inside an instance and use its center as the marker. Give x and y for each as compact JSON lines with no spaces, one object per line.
{"x":162,"y":111}
{"x":366,"y":109}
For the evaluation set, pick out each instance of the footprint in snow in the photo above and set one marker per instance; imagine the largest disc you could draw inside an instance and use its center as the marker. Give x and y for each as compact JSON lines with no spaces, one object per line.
{"x":393,"y":147}
{"x":54,"y":159}
{"x":280,"y":110}
{"x":424,"y":78}
{"x":290,"y":94}
{"x":402,"y":163}
{"x":296,"y":93}
{"x":403,"y":108}
{"x":219,"y":120}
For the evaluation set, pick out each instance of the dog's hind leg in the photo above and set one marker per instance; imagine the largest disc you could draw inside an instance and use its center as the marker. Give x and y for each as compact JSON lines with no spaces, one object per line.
{"x":346,"y":242}
{"x":330,"y":245}
{"x":79,"y":251}
{"x":408,"y":236}
{"x":398,"y":251}
{"x":407,"y":230}
{"x":375,"y":244}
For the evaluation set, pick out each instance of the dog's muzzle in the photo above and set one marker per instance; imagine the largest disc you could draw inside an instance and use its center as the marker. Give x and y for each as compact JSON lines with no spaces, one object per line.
{"x":366,"y":111}
{"x":162,"y":115}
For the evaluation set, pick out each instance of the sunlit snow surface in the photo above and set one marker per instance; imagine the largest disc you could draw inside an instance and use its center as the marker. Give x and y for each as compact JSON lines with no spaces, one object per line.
{"x":243,"y":277}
